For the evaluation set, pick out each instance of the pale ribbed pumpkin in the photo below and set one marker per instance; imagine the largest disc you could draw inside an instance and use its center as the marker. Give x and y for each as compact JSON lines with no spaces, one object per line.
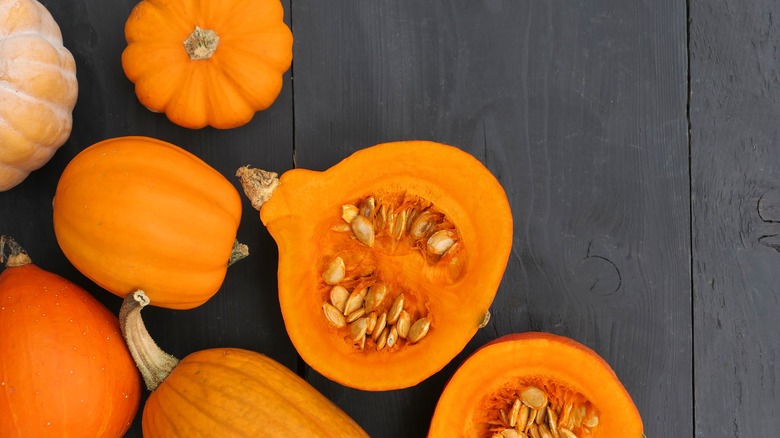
{"x":140,"y":213}
{"x":38,"y":89}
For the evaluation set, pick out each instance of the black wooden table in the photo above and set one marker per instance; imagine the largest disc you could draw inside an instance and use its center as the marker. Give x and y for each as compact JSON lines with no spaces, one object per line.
{"x":637,"y":143}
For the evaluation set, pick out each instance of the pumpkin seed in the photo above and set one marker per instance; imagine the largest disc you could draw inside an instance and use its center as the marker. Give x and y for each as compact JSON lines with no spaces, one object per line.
{"x":419,"y":329}
{"x":363,"y":230}
{"x":552,"y":421}
{"x":341,"y":228}
{"x":540,"y":416}
{"x":395,"y":309}
{"x":522,"y":416}
{"x":371,"y":323}
{"x":534,"y":397}
{"x":359,"y":313}
{"x":441,"y":241}
{"x":338,"y":297}
{"x":355,"y":300}
{"x":544,"y":431}
{"x":399,"y":225}
{"x":514,"y":413}
{"x":333,"y":315}
{"x":348,"y":212}
{"x":392,"y":336}
{"x":367,"y":207}
{"x":504,"y":417}
{"x":510,"y":433}
{"x":357,"y":329}
{"x":376,"y":293}
{"x":421,"y":225}
{"x":403,"y":323}
{"x":381,"y":217}
{"x":335,"y":271}
{"x":381,"y":340}
{"x":381,"y":321}
{"x":566,"y":433}
{"x":531,"y":419}
{"x":592,"y":421}
{"x":534,"y":431}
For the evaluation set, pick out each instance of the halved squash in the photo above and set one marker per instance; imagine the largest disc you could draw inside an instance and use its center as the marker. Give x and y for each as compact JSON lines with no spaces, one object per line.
{"x":388,"y":261}
{"x":535,"y":384}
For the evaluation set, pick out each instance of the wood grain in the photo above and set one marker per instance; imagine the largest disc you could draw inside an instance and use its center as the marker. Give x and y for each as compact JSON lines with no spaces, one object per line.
{"x":735,"y":108}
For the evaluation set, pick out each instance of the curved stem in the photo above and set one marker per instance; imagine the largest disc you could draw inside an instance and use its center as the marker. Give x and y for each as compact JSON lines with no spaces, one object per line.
{"x":17,"y":255}
{"x":258,"y":184}
{"x":155,"y":365}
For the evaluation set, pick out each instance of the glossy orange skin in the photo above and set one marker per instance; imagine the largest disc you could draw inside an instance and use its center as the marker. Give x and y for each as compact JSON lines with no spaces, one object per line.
{"x":65,"y":369}
{"x":240,"y":393}
{"x":298,"y":217}
{"x":243,"y":76}
{"x":138,"y":213}
{"x":544,"y":356}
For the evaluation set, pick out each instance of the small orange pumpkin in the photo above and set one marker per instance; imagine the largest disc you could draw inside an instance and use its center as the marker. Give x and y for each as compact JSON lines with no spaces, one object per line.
{"x":65,"y":370}
{"x":539,"y":384}
{"x":388,"y":261}
{"x":212,"y":62}
{"x":39,"y":89}
{"x":226,"y":391}
{"x":140,"y":213}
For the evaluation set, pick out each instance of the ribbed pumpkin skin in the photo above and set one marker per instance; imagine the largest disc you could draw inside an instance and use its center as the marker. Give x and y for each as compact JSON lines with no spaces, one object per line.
{"x":139,"y":213}
{"x":228,"y":392}
{"x":243,"y":76}
{"x":38,"y":89}
{"x":65,"y":369}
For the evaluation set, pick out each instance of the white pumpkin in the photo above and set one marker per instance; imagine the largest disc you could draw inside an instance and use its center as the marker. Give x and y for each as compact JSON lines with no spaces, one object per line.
{"x":38,"y":89}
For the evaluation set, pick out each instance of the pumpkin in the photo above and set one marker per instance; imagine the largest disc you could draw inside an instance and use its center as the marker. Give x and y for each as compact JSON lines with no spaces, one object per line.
{"x":137,"y":212}
{"x":39,"y":89}
{"x":388,"y":261}
{"x":540,"y":384}
{"x":211,"y":62}
{"x":225,"y":391}
{"x":65,"y":369}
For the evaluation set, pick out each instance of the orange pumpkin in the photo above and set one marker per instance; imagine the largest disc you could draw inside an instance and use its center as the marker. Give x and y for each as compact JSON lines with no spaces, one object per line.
{"x":226,"y":391}
{"x":211,"y":62}
{"x":65,"y":370}
{"x":136,"y":212}
{"x":538,"y":384}
{"x":39,"y":89}
{"x":388,"y":261}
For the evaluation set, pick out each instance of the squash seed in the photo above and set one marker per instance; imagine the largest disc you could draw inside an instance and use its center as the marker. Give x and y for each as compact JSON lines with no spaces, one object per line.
{"x":371,"y":323}
{"x":592,"y":421}
{"x":392,"y":336}
{"x":338,"y":297}
{"x":510,"y":433}
{"x":348,"y":212}
{"x":534,"y":397}
{"x":333,"y":315}
{"x":359,"y":313}
{"x":375,"y":296}
{"x":540,"y":416}
{"x":355,"y":300}
{"x":514,"y":412}
{"x":534,"y":432}
{"x":544,"y":432}
{"x":341,"y":228}
{"x":363,"y":229}
{"x":552,"y":421}
{"x":441,"y":241}
{"x":566,"y":433}
{"x":367,"y":207}
{"x":357,"y":329}
{"x":395,"y":309}
{"x":335,"y":271}
{"x":381,"y":321}
{"x":403,"y":323}
{"x":421,"y":225}
{"x":381,"y":340}
{"x":419,"y":329}
{"x":399,"y":225}
{"x":522,"y":417}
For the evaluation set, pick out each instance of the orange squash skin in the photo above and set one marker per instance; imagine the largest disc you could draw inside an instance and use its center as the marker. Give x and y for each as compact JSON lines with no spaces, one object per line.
{"x":298,"y":217}
{"x":547,"y":358}
{"x":243,"y":76}
{"x":65,"y":370}
{"x":235,"y":392}
{"x":139,"y":213}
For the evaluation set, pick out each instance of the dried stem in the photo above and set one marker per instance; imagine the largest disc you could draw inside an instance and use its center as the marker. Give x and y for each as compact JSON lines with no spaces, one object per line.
{"x":258,"y":184}
{"x":240,"y":251}
{"x":155,"y":365}
{"x":201,"y":44}
{"x":17,"y":255}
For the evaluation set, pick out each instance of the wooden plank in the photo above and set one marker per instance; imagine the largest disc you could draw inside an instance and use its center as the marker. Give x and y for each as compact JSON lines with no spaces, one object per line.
{"x":735,"y":108}
{"x":580,"y":110}
{"x":245,"y":312}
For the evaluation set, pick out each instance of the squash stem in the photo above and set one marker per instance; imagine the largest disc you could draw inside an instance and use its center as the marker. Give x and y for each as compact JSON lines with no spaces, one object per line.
{"x":153,"y":363}
{"x":240,"y":251}
{"x":17,"y":255}
{"x":258,"y":184}
{"x":201,"y":44}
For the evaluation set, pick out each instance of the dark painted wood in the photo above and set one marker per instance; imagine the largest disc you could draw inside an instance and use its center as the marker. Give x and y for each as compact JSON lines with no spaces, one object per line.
{"x":580,"y":111}
{"x":735,"y":108}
